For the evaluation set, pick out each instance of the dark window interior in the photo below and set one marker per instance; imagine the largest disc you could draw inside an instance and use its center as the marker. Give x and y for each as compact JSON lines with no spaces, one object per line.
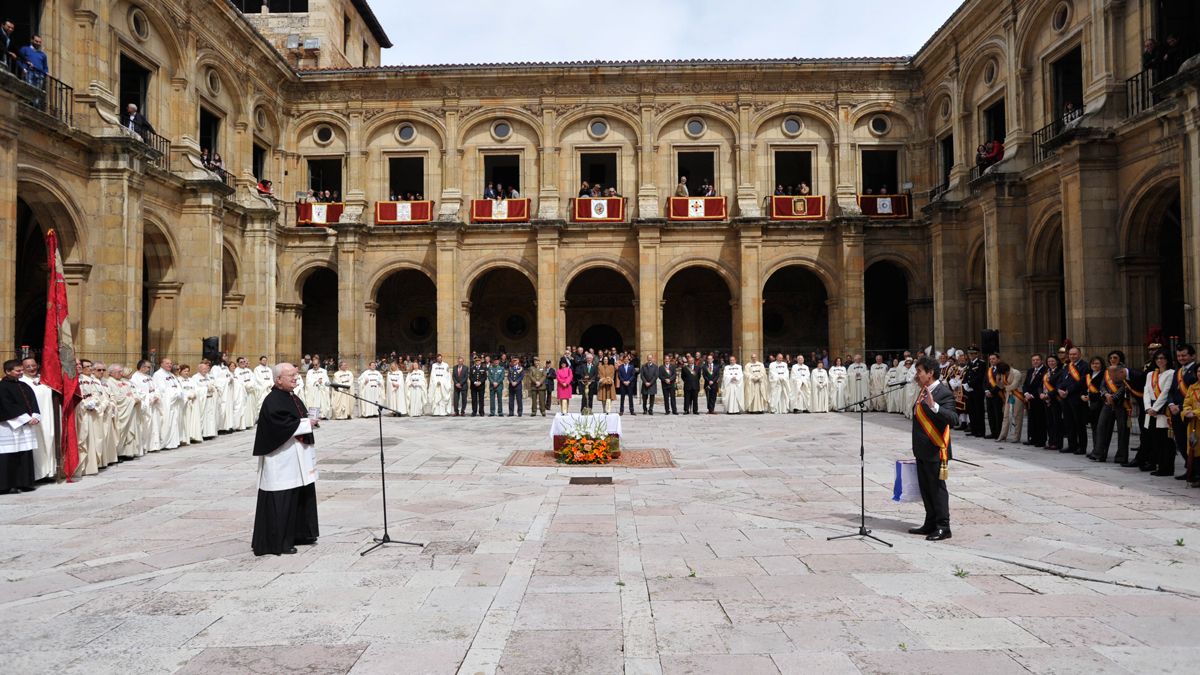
{"x":946,"y":146}
{"x":599,"y":167}
{"x":325,"y":174}
{"x":260,"y":162}
{"x":994,"y":126}
{"x":26,"y":16}
{"x":1068,"y":81}
{"x":879,"y":171}
{"x":697,"y":167}
{"x":210,"y":131}
{"x":134,"y":84}
{"x":793,"y":167}
{"x":503,"y":170}
{"x":406,"y":175}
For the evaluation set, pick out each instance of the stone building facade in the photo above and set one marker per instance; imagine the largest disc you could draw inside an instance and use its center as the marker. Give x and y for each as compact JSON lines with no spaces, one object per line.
{"x":1085,"y":229}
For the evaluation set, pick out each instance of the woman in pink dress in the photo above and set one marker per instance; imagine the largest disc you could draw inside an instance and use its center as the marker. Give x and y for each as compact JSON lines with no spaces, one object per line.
{"x":564,"y":377}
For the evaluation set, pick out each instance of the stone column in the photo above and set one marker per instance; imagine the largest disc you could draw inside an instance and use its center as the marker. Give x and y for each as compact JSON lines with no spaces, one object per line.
{"x":453,"y":331}
{"x":450,"y":205}
{"x":649,"y":330}
{"x":852,"y":304}
{"x":648,"y":204}
{"x":9,"y":133}
{"x":200,"y":252}
{"x":370,"y":316}
{"x":548,"y":207}
{"x":257,"y":281}
{"x":550,"y":337}
{"x":749,"y":297}
{"x":464,"y":319}
{"x":748,"y":205}
{"x":287,"y":335}
{"x":846,"y":186}
{"x":350,"y":290}
{"x":949,"y":261}
{"x":1004,"y":252}
{"x":1189,"y":196}
{"x":1090,"y":225}
{"x":354,"y":192}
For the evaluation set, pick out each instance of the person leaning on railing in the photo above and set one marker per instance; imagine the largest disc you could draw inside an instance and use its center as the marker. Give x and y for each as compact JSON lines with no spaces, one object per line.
{"x":136,"y":122}
{"x":35,"y":65}
{"x":6,"y":49}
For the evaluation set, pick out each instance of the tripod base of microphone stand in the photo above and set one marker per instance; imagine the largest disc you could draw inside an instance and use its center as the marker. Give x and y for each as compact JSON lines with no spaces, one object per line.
{"x":385,"y":540}
{"x":862,"y":532}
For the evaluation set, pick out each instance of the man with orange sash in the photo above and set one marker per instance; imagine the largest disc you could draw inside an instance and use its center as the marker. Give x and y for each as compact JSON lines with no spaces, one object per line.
{"x":994,"y":393}
{"x":1117,"y":409}
{"x":933,"y":416}
{"x":1191,"y":417}
{"x":1185,"y":377}
{"x":1072,"y":386}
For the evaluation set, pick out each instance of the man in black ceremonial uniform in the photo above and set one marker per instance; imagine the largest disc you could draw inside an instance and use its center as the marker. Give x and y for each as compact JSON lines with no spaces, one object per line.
{"x":286,"y":515}
{"x":975,"y":379}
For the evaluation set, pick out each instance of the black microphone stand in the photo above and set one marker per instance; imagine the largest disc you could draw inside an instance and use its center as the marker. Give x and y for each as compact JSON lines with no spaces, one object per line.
{"x":862,"y":465}
{"x":386,"y":538}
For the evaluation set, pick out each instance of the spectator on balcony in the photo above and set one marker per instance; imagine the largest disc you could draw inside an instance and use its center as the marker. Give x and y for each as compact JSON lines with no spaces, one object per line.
{"x":584,"y":189}
{"x":779,"y":191}
{"x":611,"y":192}
{"x":264,"y":188}
{"x":1068,"y":112}
{"x":218,"y":164}
{"x":681,"y":190}
{"x":309,"y":198}
{"x":804,"y":189}
{"x":136,"y":122}
{"x":513,"y":193}
{"x":597,"y":190}
{"x":1152,"y":57}
{"x":995,"y":152}
{"x":35,"y":66}
{"x":205,"y":161}
{"x":335,"y":197}
{"x":1172,"y":57}
{"x":869,"y":191}
{"x":883,"y":189}
{"x":6,"y":48}
{"x":489,"y":192}
{"x":418,"y":197}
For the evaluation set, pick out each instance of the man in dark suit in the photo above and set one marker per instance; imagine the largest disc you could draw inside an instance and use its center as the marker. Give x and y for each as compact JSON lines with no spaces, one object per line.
{"x":1072,"y":387}
{"x":1185,"y":376}
{"x":974,"y":381}
{"x":588,"y":377}
{"x":691,"y":386}
{"x":933,"y":417}
{"x":649,"y":377}
{"x":135,"y":121}
{"x":668,"y":375}
{"x":710,"y":374}
{"x":993,"y":394}
{"x":461,"y":377}
{"x":1031,"y":389}
{"x":478,"y":377}
{"x":626,"y":385}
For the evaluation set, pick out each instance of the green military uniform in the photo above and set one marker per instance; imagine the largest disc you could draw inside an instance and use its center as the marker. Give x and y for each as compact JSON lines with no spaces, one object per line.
{"x":495,"y":376}
{"x":535,"y":376}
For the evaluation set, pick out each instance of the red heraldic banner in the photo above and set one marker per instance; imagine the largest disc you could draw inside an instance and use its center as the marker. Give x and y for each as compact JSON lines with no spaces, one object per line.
{"x":58,"y":358}
{"x":403,"y":213}
{"x":598,"y":210}
{"x":499,"y":210}
{"x":309,"y":213}
{"x":696,"y":208}
{"x":798,"y":208}
{"x":884,"y":206}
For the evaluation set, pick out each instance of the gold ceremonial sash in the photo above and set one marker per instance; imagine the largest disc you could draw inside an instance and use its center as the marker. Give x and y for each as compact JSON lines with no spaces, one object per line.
{"x":1074,"y":372}
{"x":991,"y":378}
{"x":940,"y":440}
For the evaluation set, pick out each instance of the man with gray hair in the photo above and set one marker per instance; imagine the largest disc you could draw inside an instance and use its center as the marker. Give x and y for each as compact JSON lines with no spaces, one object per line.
{"x":125,"y":404}
{"x":135,"y":121}
{"x":286,"y":514}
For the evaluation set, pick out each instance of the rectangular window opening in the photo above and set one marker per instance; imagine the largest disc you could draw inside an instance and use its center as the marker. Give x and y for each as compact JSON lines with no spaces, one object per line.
{"x":260,"y":162}
{"x":210,"y":131}
{"x":698,"y":168}
{"x":793,"y":170}
{"x":880,"y":172}
{"x":326,"y":174}
{"x":994,"y":125}
{"x":946,"y":147}
{"x":502,"y":170}
{"x":134,"y":84}
{"x":406,"y":178}
{"x":1068,"y":83}
{"x":598,"y":168}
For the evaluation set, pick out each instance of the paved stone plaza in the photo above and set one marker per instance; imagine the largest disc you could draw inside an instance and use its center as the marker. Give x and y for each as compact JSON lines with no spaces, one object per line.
{"x":721,"y":565}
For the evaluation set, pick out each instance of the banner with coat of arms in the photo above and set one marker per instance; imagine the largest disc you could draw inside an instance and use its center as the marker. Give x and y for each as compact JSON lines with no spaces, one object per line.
{"x":499,"y":210}
{"x":696,"y":208}
{"x":807,"y":207}
{"x":317,"y":213}
{"x":403,"y":213}
{"x":598,"y":209}
{"x":885,"y":206}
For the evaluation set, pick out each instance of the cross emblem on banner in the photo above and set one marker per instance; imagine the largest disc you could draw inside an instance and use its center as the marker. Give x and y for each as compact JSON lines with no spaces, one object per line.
{"x":696,"y":208}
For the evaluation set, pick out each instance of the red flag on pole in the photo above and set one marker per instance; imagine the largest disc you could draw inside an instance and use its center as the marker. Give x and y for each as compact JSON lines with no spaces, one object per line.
{"x":58,"y":356}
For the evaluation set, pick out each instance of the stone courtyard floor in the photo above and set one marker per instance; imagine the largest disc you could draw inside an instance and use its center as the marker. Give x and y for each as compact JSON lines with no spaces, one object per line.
{"x":721,"y":565}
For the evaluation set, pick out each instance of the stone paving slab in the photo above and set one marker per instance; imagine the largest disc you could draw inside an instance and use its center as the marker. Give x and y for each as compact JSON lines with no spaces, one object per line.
{"x":719,"y":565}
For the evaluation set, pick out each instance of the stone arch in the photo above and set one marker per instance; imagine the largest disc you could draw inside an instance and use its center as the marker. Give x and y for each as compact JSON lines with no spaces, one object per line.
{"x":680,"y":264}
{"x":871,"y":107}
{"x":795,"y":313}
{"x":503,"y":312}
{"x":1143,"y":208}
{"x":1045,"y":284}
{"x":318,"y":293}
{"x":164,"y":29}
{"x":236,"y":92}
{"x":303,"y":126}
{"x":1152,"y":263}
{"x":230,"y":267}
{"x":1034,"y":19}
{"x":699,"y":109}
{"x":916,"y":283}
{"x":888,"y":292}
{"x":476,"y":271}
{"x":159,"y":249}
{"x":760,"y":119}
{"x":406,"y":309}
{"x":160,"y":291}
{"x":933,"y":121}
{"x":499,"y":112}
{"x":588,"y":112}
{"x":388,"y":269}
{"x":302,"y":270}
{"x":52,"y":203}
{"x":816,"y":266}
{"x":413,"y":115}
{"x":614,"y":263}
{"x":601,"y":297}
{"x":973,"y":69}
{"x":976,"y":288}
{"x":697,"y":308}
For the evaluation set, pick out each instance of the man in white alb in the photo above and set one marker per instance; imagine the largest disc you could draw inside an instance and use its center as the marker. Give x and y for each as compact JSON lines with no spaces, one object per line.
{"x":800,"y":386}
{"x":878,"y":380}
{"x":343,"y":405}
{"x":170,"y":403}
{"x":150,"y":422}
{"x":780,"y":378}
{"x":370,"y":387}
{"x":263,"y":381}
{"x":732,"y":387}
{"x":441,"y":388}
{"x":858,"y":383}
{"x":756,"y":386}
{"x":43,"y":457}
{"x":244,"y":395}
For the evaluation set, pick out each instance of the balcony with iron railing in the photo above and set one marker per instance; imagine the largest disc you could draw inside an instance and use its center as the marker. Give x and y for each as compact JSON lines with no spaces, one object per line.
{"x":1043,"y":138}
{"x":42,"y":91}
{"x":1138,"y":95}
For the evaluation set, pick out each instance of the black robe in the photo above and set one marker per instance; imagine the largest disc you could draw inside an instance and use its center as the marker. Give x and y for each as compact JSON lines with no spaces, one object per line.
{"x":16,"y":468}
{"x":282,"y":517}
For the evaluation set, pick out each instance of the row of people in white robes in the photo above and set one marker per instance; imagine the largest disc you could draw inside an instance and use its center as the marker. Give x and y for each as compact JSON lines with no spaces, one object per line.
{"x":410,"y":393}
{"x":781,"y":387}
{"x":122,"y":418}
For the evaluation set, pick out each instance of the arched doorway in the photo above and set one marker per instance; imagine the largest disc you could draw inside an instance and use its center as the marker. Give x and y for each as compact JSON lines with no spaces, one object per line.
{"x":319,"y":321}
{"x":1153,"y":266}
{"x":976,"y":293}
{"x":795,"y":311}
{"x":159,"y":292}
{"x":406,"y":314}
{"x":231,"y":304}
{"x":503,"y":313}
{"x":1047,"y":289}
{"x":599,"y":297}
{"x":31,"y":281}
{"x":696,"y":313}
{"x":886,"y":306}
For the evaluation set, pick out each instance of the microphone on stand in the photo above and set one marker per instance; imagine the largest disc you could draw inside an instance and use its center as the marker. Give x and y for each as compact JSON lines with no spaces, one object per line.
{"x":335,"y":385}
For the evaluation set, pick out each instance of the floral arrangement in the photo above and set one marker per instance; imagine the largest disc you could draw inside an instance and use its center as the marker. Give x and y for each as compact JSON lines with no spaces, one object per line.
{"x":588,"y":442}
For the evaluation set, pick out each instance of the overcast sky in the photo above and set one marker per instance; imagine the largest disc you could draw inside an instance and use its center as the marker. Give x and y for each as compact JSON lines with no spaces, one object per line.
{"x":484,"y":31}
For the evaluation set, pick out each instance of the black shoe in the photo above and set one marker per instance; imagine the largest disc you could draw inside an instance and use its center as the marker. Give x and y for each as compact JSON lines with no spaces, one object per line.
{"x":1147,"y":467}
{"x":1164,"y":472}
{"x":291,"y":551}
{"x":1129,"y":463}
{"x":1081,"y":452}
{"x":924,"y":529}
{"x":31,"y":488}
{"x":1182,"y":476}
{"x":939,"y":534}
{"x":1093,"y":458}
{"x":1065,"y":450}
{"x":305,"y":542}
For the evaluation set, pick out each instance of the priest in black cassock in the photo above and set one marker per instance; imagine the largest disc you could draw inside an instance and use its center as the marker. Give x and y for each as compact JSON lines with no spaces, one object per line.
{"x":19,"y":417}
{"x":287,"y":469}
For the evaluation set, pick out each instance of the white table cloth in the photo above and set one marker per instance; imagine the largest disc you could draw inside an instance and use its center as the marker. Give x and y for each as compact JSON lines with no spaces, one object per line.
{"x":564,"y":423}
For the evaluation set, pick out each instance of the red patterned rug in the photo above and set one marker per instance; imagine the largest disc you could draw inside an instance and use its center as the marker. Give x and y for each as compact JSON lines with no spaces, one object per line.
{"x":654,"y":458}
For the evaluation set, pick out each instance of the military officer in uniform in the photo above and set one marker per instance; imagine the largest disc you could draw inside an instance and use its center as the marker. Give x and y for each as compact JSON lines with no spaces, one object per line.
{"x":495,"y":379}
{"x":516,"y":382}
{"x":535,"y":379}
{"x":478,"y":377}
